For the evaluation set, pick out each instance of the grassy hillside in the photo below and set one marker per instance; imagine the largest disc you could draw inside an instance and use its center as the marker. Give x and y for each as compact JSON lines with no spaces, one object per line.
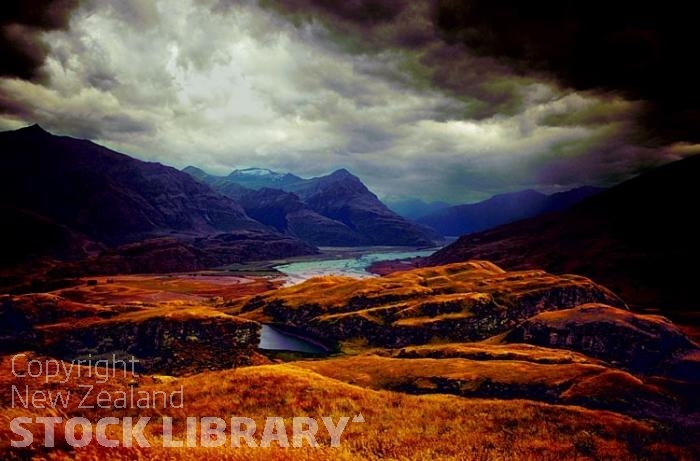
{"x":397,"y":426}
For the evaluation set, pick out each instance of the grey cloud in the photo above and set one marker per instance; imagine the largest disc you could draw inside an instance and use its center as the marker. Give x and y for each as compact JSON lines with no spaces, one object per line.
{"x":22,"y":50}
{"x":230,"y":84}
{"x":142,"y":14}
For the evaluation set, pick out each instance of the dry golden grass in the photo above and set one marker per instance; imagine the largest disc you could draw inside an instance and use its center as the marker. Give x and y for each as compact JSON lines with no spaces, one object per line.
{"x":611,"y":387}
{"x":172,"y":311}
{"x":44,"y":307}
{"x":333,"y":292}
{"x":455,"y":375}
{"x":164,"y":288}
{"x":486,"y":351}
{"x":592,"y":313}
{"x":398,"y":426}
{"x":419,"y":294}
{"x":51,"y":313}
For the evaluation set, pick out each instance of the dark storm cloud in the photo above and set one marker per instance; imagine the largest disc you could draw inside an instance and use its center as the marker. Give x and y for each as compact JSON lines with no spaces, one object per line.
{"x":639,"y":50}
{"x":493,"y":90}
{"x":22,"y":52}
{"x":369,"y":26}
{"x":413,"y":100}
{"x":364,"y":12}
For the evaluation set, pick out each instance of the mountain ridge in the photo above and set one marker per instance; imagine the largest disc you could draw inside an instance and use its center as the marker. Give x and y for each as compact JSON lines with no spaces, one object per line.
{"x":502,"y":209}
{"x":356,"y":213}
{"x":632,"y":238}
{"x":88,"y":199}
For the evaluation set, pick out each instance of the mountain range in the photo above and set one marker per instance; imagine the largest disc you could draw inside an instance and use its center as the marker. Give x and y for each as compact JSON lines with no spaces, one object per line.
{"x":639,"y":238}
{"x":332,"y":210}
{"x":502,"y":209}
{"x":77,"y":208}
{"x":71,"y":199}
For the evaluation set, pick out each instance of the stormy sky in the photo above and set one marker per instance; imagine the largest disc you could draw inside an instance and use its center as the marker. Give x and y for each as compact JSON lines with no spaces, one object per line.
{"x":443,"y":100}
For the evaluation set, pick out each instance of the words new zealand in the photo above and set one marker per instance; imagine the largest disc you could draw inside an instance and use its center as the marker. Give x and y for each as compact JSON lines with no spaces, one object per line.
{"x":85,"y":395}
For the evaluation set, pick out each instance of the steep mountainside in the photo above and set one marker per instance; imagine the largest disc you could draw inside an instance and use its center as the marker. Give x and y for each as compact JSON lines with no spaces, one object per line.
{"x":343,"y":197}
{"x":502,"y":209}
{"x":285,"y":212}
{"x":639,"y":238}
{"x":359,"y":217}
{"x":107,"y":196}
{"x":68,"y":198}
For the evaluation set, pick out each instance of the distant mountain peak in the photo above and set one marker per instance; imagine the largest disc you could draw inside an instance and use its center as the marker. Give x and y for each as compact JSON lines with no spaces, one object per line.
{"x":256,"y":172}
{"x":34,"y":129}
{"x":335,"y":209}
{"x":342,"y":172}
{"x":501,"y":209}
{"x":195,"y":172}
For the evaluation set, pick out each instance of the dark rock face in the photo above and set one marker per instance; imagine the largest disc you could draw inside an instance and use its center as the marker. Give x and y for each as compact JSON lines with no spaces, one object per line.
{"x":643,"y":344}
{"x":164,"y":344}
{"x":165,"y":339}
{"x":32,"y":236}
{"x":502,"y":209}
{"x":461,"y":302}
{"x":334,"y":210}
{"x":635,"y":238}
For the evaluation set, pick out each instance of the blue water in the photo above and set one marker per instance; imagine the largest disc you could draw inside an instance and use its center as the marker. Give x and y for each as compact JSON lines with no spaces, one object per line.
{"x":353,"y":267}
{"x":273,"y":339}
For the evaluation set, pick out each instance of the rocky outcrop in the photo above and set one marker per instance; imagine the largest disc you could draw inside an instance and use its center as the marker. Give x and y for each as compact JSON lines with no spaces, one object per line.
{"x":459,"y":302}
{"x":169,"y":339}
{"x":640,"y":343}
{"x":169,"y":342}
{"x":20,"y":314}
